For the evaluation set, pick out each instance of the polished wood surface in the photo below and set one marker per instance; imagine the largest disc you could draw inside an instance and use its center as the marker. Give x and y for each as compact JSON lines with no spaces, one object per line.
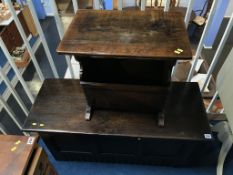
{"x":60,"y":108}
{"x":131,"y":34}
{"x":15,"y":153}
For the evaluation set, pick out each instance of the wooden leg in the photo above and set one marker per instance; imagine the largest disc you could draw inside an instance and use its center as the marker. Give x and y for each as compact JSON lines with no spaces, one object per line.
{"x":161,"y":119}
{"x":88,"y":113}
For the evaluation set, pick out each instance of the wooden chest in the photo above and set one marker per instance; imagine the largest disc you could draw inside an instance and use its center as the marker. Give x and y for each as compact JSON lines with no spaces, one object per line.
{"x":119,"y":136}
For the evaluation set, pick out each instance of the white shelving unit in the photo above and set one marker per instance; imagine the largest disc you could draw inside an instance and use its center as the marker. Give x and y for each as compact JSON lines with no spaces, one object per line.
{"x":15,"y":80}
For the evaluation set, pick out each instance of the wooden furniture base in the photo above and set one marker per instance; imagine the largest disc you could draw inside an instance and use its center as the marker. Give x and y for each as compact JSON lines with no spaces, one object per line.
{"x":121,"y":97}
{"x":126,"y":70}
{"x":58,"y":115}
{"x":126,"y":149}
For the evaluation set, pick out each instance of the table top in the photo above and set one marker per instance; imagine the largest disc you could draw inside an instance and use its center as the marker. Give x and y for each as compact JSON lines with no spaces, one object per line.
{"x":131,"y":34}
{"x":60,"y":108}
{"x":15,"y":153}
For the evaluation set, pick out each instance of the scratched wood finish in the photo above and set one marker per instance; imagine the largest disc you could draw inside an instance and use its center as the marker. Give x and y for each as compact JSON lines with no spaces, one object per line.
{"x":60,"y":106}
{"x":131,"y":34}
{"x":15,"y":162}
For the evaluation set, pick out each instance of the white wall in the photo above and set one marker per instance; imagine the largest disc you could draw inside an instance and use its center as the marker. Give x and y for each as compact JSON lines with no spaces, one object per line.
{"x":184,"y":3}
{"x":229,"y":9}
{"x":48,"y":7}
{"x":128,"y":3}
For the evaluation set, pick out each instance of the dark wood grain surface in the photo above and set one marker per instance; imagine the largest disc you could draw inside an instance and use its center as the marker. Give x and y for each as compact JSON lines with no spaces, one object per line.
{"x":125,"y":97}
{"x":131,"y":34}
{"x":126,"y":71}
{"x":60,"y":108}
{"x":15,"y":154}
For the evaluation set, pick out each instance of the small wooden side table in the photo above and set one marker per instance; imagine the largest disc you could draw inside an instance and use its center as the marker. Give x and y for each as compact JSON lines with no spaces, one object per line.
{"x":126,"y":56}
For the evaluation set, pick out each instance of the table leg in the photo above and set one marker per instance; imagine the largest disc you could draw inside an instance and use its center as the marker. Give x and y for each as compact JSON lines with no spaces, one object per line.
{"x":88,"y":113}
{"x":161,"y":119}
